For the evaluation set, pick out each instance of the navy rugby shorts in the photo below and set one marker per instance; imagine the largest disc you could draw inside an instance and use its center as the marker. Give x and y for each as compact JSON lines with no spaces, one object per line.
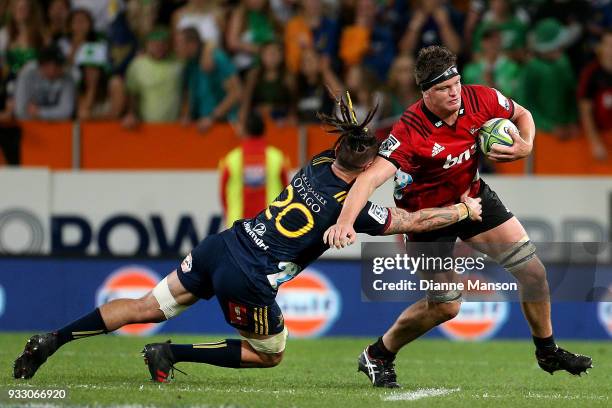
{"x":210,"y":270}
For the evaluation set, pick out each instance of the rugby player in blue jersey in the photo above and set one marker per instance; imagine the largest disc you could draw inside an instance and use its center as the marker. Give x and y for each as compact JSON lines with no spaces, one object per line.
{"x":244,"y":265}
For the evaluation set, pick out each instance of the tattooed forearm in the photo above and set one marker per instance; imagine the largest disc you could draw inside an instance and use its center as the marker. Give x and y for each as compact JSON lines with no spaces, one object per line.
{"x":428,"y":219}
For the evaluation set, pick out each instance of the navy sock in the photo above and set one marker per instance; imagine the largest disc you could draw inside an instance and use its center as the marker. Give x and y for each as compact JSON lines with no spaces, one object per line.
{"x":225,"y":353}
{"x":544,"y":343}
{"x":380,"y":352}
{"x":87,"y":326}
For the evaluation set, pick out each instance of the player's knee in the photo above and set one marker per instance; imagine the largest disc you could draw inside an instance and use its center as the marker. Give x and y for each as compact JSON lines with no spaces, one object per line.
{"x":445,"y":311}
{"x":164,"y":300}
{"x":271,"y":360}
{"x":520,"y":258}
{"x":270,"y":349}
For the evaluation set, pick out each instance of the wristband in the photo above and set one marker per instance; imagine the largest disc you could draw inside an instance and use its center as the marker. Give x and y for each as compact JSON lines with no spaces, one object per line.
{"x":468,"y":210}
{"x":462,"y":216}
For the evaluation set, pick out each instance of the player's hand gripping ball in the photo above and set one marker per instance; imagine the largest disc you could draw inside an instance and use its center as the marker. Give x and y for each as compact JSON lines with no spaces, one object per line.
{"x":496,"y":130}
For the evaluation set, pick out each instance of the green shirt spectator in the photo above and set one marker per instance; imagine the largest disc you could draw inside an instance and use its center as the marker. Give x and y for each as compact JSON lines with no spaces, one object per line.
{"x":504,"y":72}
{"x":491,"y":67}
{"x":514,"y":34}
{"x":153,"y":81}
{"x":511,"y":21}
{"x":548,"y":85}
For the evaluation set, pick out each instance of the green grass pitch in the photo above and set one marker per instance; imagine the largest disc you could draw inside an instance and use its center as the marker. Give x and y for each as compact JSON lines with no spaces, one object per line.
{"x":109,"y":371}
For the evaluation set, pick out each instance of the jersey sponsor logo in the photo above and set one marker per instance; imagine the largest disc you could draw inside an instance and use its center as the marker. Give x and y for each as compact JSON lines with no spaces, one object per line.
{"x":389,"y":146}
{"x":380,"y":214}
{"x":401,"y":181}
{"x":256,"y":239}
{"x":310,"y":304}
{"x":187,"y":264}
{"x":465,"y":156}
{"x":604,"y":313}
{"x":477,"y":320}
{"x":436,"y":149}
{"x":130,"y":282}
{"x":259,"y":229}
{"x":502,"y":100}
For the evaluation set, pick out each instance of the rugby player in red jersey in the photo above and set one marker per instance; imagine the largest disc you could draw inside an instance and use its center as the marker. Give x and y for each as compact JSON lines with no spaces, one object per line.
{"x":432,"y":152}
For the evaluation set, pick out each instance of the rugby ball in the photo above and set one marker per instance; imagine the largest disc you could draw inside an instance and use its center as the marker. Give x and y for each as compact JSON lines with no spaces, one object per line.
{"x":496,"y":130}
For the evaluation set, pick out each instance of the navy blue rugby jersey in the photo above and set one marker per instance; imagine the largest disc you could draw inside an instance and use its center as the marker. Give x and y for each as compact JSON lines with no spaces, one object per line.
{"x":288,"y":235}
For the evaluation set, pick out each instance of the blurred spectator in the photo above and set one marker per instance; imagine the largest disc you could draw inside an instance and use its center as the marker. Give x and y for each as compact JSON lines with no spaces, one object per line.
{"x":122,"y":44}
{"x":400,"y":90}
{"x":283,"y":9}
{"x":310,"y":29}
{"x":206,"y":16}
{"x":22,"y":36}
{"x":58,"y":14}
{"x":367,"y":42}
{"x":252,"y":175}
{"x":510,"y":20}
{"x":574,"y":15}
{"x":268,"y":87}
{"x":81,"y":31}
{"x":212,"y":94}
{"x":595,"y":97}
{"x":601,"y":18}
{"x":312,"y":84}
{"x":100,"y":97}
{"x":153,"y":82}
{"x":250,"y":26}
{"x":142,"y":16}
{"x":103,"y":12}
{"x":548,"y":85}
{"x":433,"y":22}
{"x":491,"y":67}
{"x":44,"y":90}
{"x":363,"y":87}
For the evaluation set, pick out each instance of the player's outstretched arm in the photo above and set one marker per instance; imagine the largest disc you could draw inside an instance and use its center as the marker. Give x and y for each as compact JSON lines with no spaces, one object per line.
{"x":430,"y":219}
{"x":342,"y":233}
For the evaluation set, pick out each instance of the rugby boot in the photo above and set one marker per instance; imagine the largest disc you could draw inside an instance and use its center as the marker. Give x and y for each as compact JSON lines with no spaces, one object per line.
{"x":560,"y":359}
{"x":158,"y":357}
{"x":37,"y":350}
{"x":380,"y":372}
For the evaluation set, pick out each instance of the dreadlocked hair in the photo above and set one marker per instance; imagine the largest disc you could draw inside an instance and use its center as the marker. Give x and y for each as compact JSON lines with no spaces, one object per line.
{"x":356,"y":146}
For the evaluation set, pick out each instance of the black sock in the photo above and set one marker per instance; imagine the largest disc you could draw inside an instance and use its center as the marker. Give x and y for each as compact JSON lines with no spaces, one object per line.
{"x":225,"y":353}
{"x":379,"y":351}
{"x":546,"y":343}
{"x":88,"y":325}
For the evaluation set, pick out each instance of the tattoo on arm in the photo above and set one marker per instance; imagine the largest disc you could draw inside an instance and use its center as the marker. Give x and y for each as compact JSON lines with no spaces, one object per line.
{"x":428,"y":219}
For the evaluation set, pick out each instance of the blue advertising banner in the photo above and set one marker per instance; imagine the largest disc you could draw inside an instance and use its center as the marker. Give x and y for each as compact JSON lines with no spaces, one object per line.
{"x":38,"y":294}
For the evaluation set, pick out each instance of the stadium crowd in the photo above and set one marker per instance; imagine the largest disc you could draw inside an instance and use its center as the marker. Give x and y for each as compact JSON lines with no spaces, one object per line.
{"x":206,"y":61}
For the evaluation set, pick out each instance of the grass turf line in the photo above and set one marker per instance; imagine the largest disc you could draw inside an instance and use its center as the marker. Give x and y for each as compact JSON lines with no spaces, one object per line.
{"x":109,"y":371}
